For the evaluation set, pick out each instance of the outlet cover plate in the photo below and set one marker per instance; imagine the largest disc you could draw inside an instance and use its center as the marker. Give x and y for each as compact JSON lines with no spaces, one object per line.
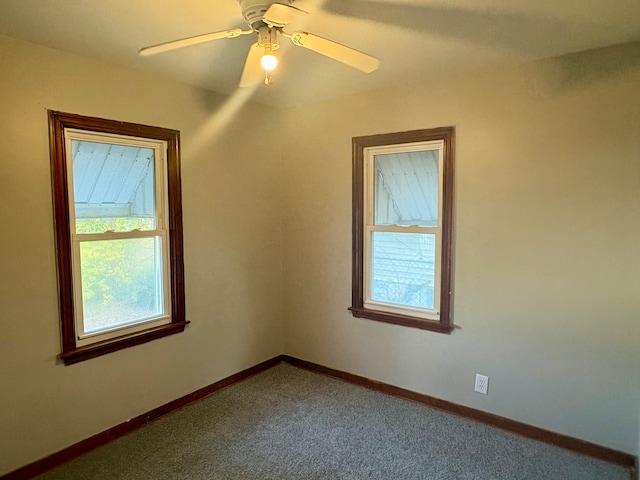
{"x":482,"y":384}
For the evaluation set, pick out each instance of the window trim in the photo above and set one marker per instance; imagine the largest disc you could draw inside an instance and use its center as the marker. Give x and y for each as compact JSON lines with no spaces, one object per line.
{"x":358,"y":308}
{"x":58,"y":122}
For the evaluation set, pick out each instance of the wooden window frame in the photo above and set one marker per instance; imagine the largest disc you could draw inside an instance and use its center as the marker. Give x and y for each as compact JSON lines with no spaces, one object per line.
{"x":58,"y":122}
{"x":359,"y":209}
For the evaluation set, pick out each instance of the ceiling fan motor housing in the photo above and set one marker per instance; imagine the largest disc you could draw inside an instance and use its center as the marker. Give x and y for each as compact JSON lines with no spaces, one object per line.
{"x":253,"y":11}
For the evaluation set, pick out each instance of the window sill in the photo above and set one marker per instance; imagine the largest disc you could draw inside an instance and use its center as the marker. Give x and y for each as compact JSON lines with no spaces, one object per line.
{"x":101,"y":348}
{"x":404,"y":320}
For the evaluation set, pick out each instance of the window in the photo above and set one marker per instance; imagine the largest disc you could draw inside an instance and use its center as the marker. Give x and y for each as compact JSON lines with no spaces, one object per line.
{"x":402,"y":228}
{"x":118,"y":225}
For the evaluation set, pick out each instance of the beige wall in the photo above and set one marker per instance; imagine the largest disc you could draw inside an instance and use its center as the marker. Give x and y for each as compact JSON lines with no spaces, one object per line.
{"x":232,"y":240}
{"x":547,"y":257}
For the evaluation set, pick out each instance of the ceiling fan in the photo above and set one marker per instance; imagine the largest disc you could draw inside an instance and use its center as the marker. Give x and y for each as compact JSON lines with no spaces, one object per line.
{"x":268,"y":20}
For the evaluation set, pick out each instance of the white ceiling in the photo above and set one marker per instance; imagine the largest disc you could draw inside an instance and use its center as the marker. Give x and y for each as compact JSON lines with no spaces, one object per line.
{"x":414,"y":39}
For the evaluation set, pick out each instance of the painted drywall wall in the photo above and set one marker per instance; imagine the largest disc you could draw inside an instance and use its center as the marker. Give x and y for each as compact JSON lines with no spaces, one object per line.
{"x":232,"y":249}
{"x":546,"y":250}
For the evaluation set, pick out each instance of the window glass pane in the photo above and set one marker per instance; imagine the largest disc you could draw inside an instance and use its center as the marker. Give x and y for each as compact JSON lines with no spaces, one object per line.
{"x":113,"y":187}
{"x":121,"y":282}
{"x":403,"y":268}
{"x":406,"y":188}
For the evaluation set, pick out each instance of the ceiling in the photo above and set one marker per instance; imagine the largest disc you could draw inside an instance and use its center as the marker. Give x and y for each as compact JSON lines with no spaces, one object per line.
{"x":415,"y":40}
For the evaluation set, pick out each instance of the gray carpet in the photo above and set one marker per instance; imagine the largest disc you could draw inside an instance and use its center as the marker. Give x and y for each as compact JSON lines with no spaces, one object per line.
{"x":288,"y":423}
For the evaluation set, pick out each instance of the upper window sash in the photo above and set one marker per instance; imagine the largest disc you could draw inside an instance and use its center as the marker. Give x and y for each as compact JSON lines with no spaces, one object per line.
{"x":370,"y":154}
{"x":159,"y":149}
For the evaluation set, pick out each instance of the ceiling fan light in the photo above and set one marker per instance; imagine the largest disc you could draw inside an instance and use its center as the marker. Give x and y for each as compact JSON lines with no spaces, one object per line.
{"x":269,"y":62}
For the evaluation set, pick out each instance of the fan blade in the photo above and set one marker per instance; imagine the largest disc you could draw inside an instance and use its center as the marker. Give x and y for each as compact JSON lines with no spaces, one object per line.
{"x":279,"y":15}
{"x":186,"y":42}
{"x":341,"y":53}
{"x":253,"y":71}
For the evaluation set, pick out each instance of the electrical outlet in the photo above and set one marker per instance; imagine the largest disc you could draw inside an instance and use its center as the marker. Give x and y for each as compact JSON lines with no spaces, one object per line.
{"x":482,"y":384}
